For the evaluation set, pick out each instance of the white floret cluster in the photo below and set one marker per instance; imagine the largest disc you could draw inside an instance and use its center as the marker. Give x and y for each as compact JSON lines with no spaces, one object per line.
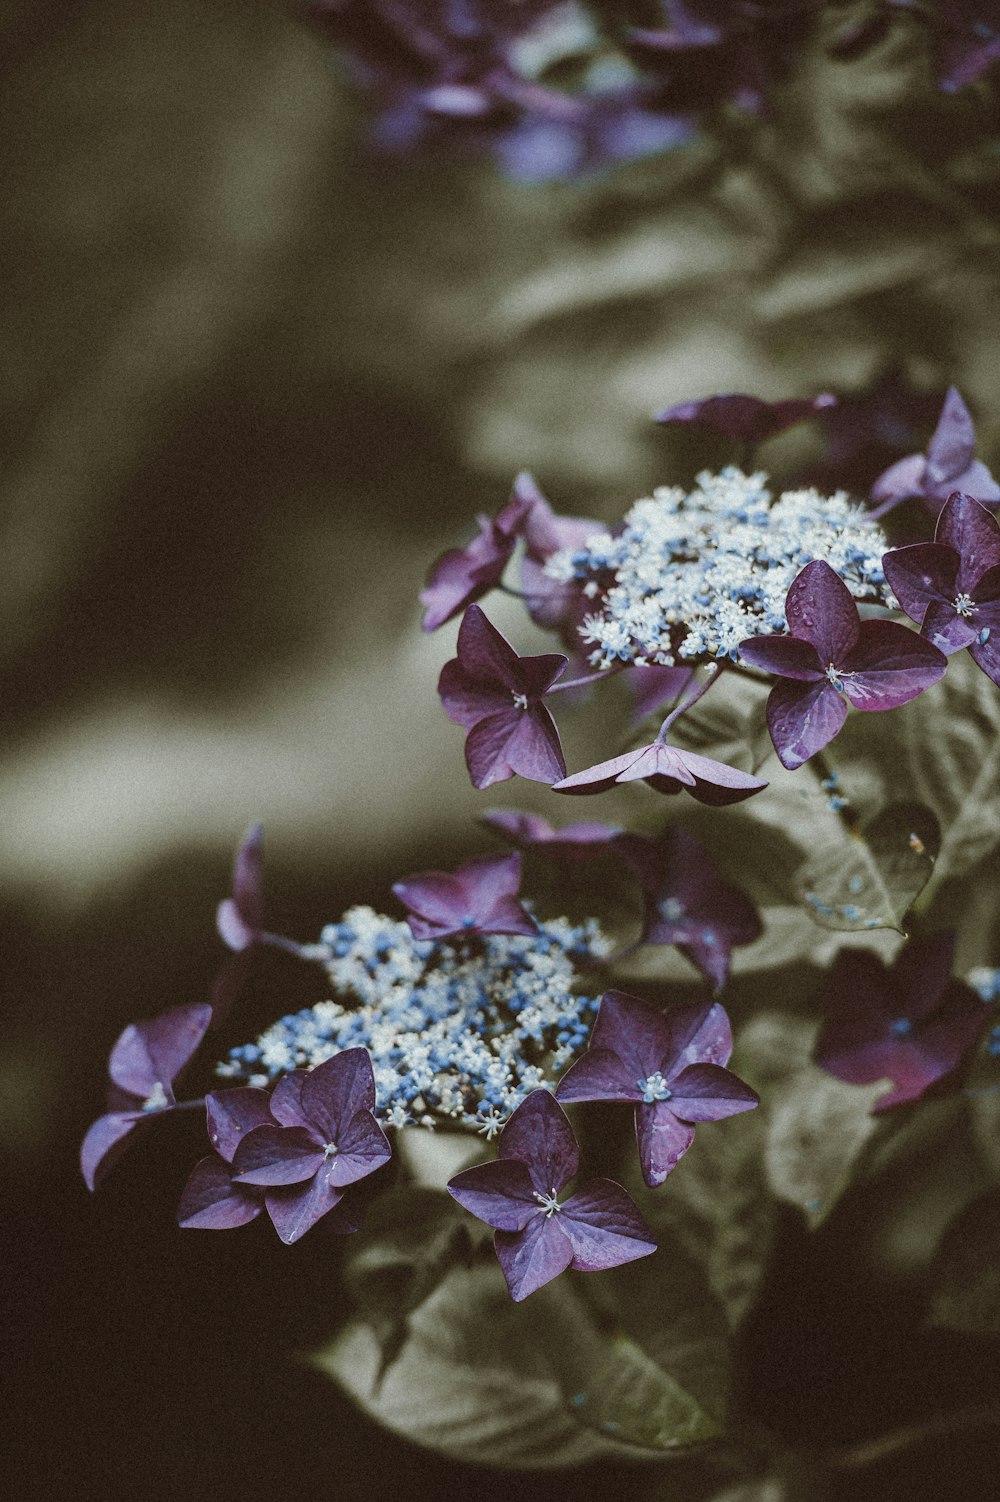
{"x":691,"y":574}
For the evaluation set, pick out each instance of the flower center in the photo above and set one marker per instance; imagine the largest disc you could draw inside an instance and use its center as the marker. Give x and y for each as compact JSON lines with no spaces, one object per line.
{"x":330,"y":1150}
{"x":834,"y":675}
{"x":672,"y":909}
{"x":156,"y":1100}
{"x":654,"y":1088}
{"x":520,"y":700}
{"x":469,"y":921}
{"x":548,"y":1203}
{"x":964,"y":605}
{"x":901,"y":1026}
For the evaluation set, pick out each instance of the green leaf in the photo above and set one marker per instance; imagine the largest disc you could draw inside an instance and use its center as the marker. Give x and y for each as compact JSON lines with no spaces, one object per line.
{"x":965,"y":1276}
{"x":815,"y":1127}
{"x":869,"y":878}
{"x":553,"y":1381}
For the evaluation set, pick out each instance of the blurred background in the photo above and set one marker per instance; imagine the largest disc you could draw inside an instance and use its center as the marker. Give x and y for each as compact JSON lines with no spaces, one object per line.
{"x":253,"y":379}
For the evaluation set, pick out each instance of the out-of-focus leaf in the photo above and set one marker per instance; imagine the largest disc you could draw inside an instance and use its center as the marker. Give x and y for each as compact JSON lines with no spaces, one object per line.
{"x":815,"y":1126}
{"x":545,"y":1383}
{"x":965,"y":1276}
{"x":869,"y":878}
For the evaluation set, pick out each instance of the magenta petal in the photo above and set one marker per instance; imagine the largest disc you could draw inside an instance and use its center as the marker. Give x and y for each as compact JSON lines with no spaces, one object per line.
{"x":277,"y":1155}
{"x":820,"y":609}
{"x":662,"y":1139}
{"x":500,"y":1193}
{"x":286,"y":1099}
{"x":715,"y":783}
{"x":604,"y":1227}
{"x":532,"y":1257}
{"x":231,"y":1114}
{"x":920,"y":575}
{"x":889,"y":666}
{"x":785,"y":656}
{"x":467,"y":700}
{"x":539,"y":1135}
{"x":966,"y":526}
{"x":362,"y":1147}
{"x":212,"y":1202}
{"x":294,"y":1211}
{"x":707,"y":1092}
{"x":336,"y":1090}
{"x":599,"y":1075}
{"x":803,"y":718}
{"x":153,"y":1053}
{"x":104,"y":1144}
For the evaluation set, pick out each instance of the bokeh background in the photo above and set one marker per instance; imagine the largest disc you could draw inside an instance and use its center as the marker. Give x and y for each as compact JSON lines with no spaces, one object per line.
{"x":252,"y":380}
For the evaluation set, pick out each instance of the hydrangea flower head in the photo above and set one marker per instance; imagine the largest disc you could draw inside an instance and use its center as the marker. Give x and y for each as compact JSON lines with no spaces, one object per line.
{"x":537,"y":1235}
{"x":909,"y":1022}
{"x":325,"y":1138}
{"x":479,"y":898}
{"x":686,"y":901}
{"x":690,"y":576}
{"x":463,"y":575}
{"x":144,"y":1064}
{"x":830,"y":658}
{"x":498,"y":695}
{"x":951,"y":586}
{"x":459,"y":1030}
{"x":947,"y":466}
{"x":669,"y":1064}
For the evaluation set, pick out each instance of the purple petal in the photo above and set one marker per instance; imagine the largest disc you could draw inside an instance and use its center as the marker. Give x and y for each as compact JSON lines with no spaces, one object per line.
{"x":921,"y":972}
{"x":803,"y":718}
{"x":973,"y":532}
{"x":605,"y":774}
{"x":435,"y":896}
{"x":546,"y":532}
{"x":514,"y":741}
{"x":248,"y":879}
{"x":153,"y":1053}
{"x":922,"y":574}
{"x":361,"y":1148}
{"x":336,"y":1090}
{"x":975,"y":481}
{"x":533,"y":1257}
{"x":945,"y":629}
{"x":820,"y":609}
{"x":104,"y":1144}
{"x":463,"y":575}
{"x":539,"y":1135}
{"x":572,"y":842}
{"x":784,"y":656}
{"x":549,"y":602}
{"x":500,"y":1193}
{"x":599,"y":1075}
{"x":953,"y":443}
{"x":467,"y":700}
{"x":889,"y":666}
{"x":743,"y":419}
{"x":295,"y":1211}
{"x":636,"y":1033}
{"x":662,"y":1139}
{"x":654,"y":687}
{"x":286,"y":1099}
{"x":986,"y":654}
{"x":231,"y":1114}
{"x":604,"y":1227}
{"x":707,"y":1092}
{"x":484,"y":653}
{"x":907,"y":477}
{"x":715,"y":783}
{"x":277,"y":1155}
{"x":212,"y":1202}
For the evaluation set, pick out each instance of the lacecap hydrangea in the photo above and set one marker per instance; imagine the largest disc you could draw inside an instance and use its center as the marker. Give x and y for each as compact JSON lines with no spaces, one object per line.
{"x":458,"y":1030}
{"x":689,"y":575}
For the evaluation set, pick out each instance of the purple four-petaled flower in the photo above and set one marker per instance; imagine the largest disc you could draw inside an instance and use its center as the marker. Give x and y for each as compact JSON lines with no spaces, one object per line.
{"x":143,"y":1066}
{"x":551,"y":603}
{"x":687,"y":903}
{"x":669,"y":1064}
{"x":909,"y":1023}
{"x":667,"y":769}
{"x":463,"y":575}
{"x":951,"y":586}
{"x":479,"y":898}
{"x":497,"y":695}
{"x":746,"y":420}
{"x":537,"y":1235}
{"x":947,"y":466}
{"x":831,"y":657}
{"x":324,"y":1137}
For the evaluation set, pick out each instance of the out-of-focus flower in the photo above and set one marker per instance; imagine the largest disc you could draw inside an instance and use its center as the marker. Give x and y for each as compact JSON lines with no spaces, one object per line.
{"x":497,"y":695}
{"x":947,"y":466}
{"x":143,"y":1066}
{"x":746,"y":420}
{"x":537,"y":1235}
{"x":479,"y":898}
{"x":324,"y":1138}
{"x":572,"y":842}
{"x":463,"y":575}
{"x":558,"y":606}
{"x":951,"y":586}
{"x":687,"y":902}
{"x":667,"y":769}
{"x":909,"y":1023}
{"x":669,"y":1064}
{"x":829,"y":657}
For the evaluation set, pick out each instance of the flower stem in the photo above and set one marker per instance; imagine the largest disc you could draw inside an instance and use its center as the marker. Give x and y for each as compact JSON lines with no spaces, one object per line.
{"x":586,"y":679}
{"x":689,"y":698}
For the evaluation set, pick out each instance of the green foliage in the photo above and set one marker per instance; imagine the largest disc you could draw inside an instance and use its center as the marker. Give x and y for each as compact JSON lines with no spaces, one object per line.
{"x":869,"y":878}
{"x":965,"y":1276}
